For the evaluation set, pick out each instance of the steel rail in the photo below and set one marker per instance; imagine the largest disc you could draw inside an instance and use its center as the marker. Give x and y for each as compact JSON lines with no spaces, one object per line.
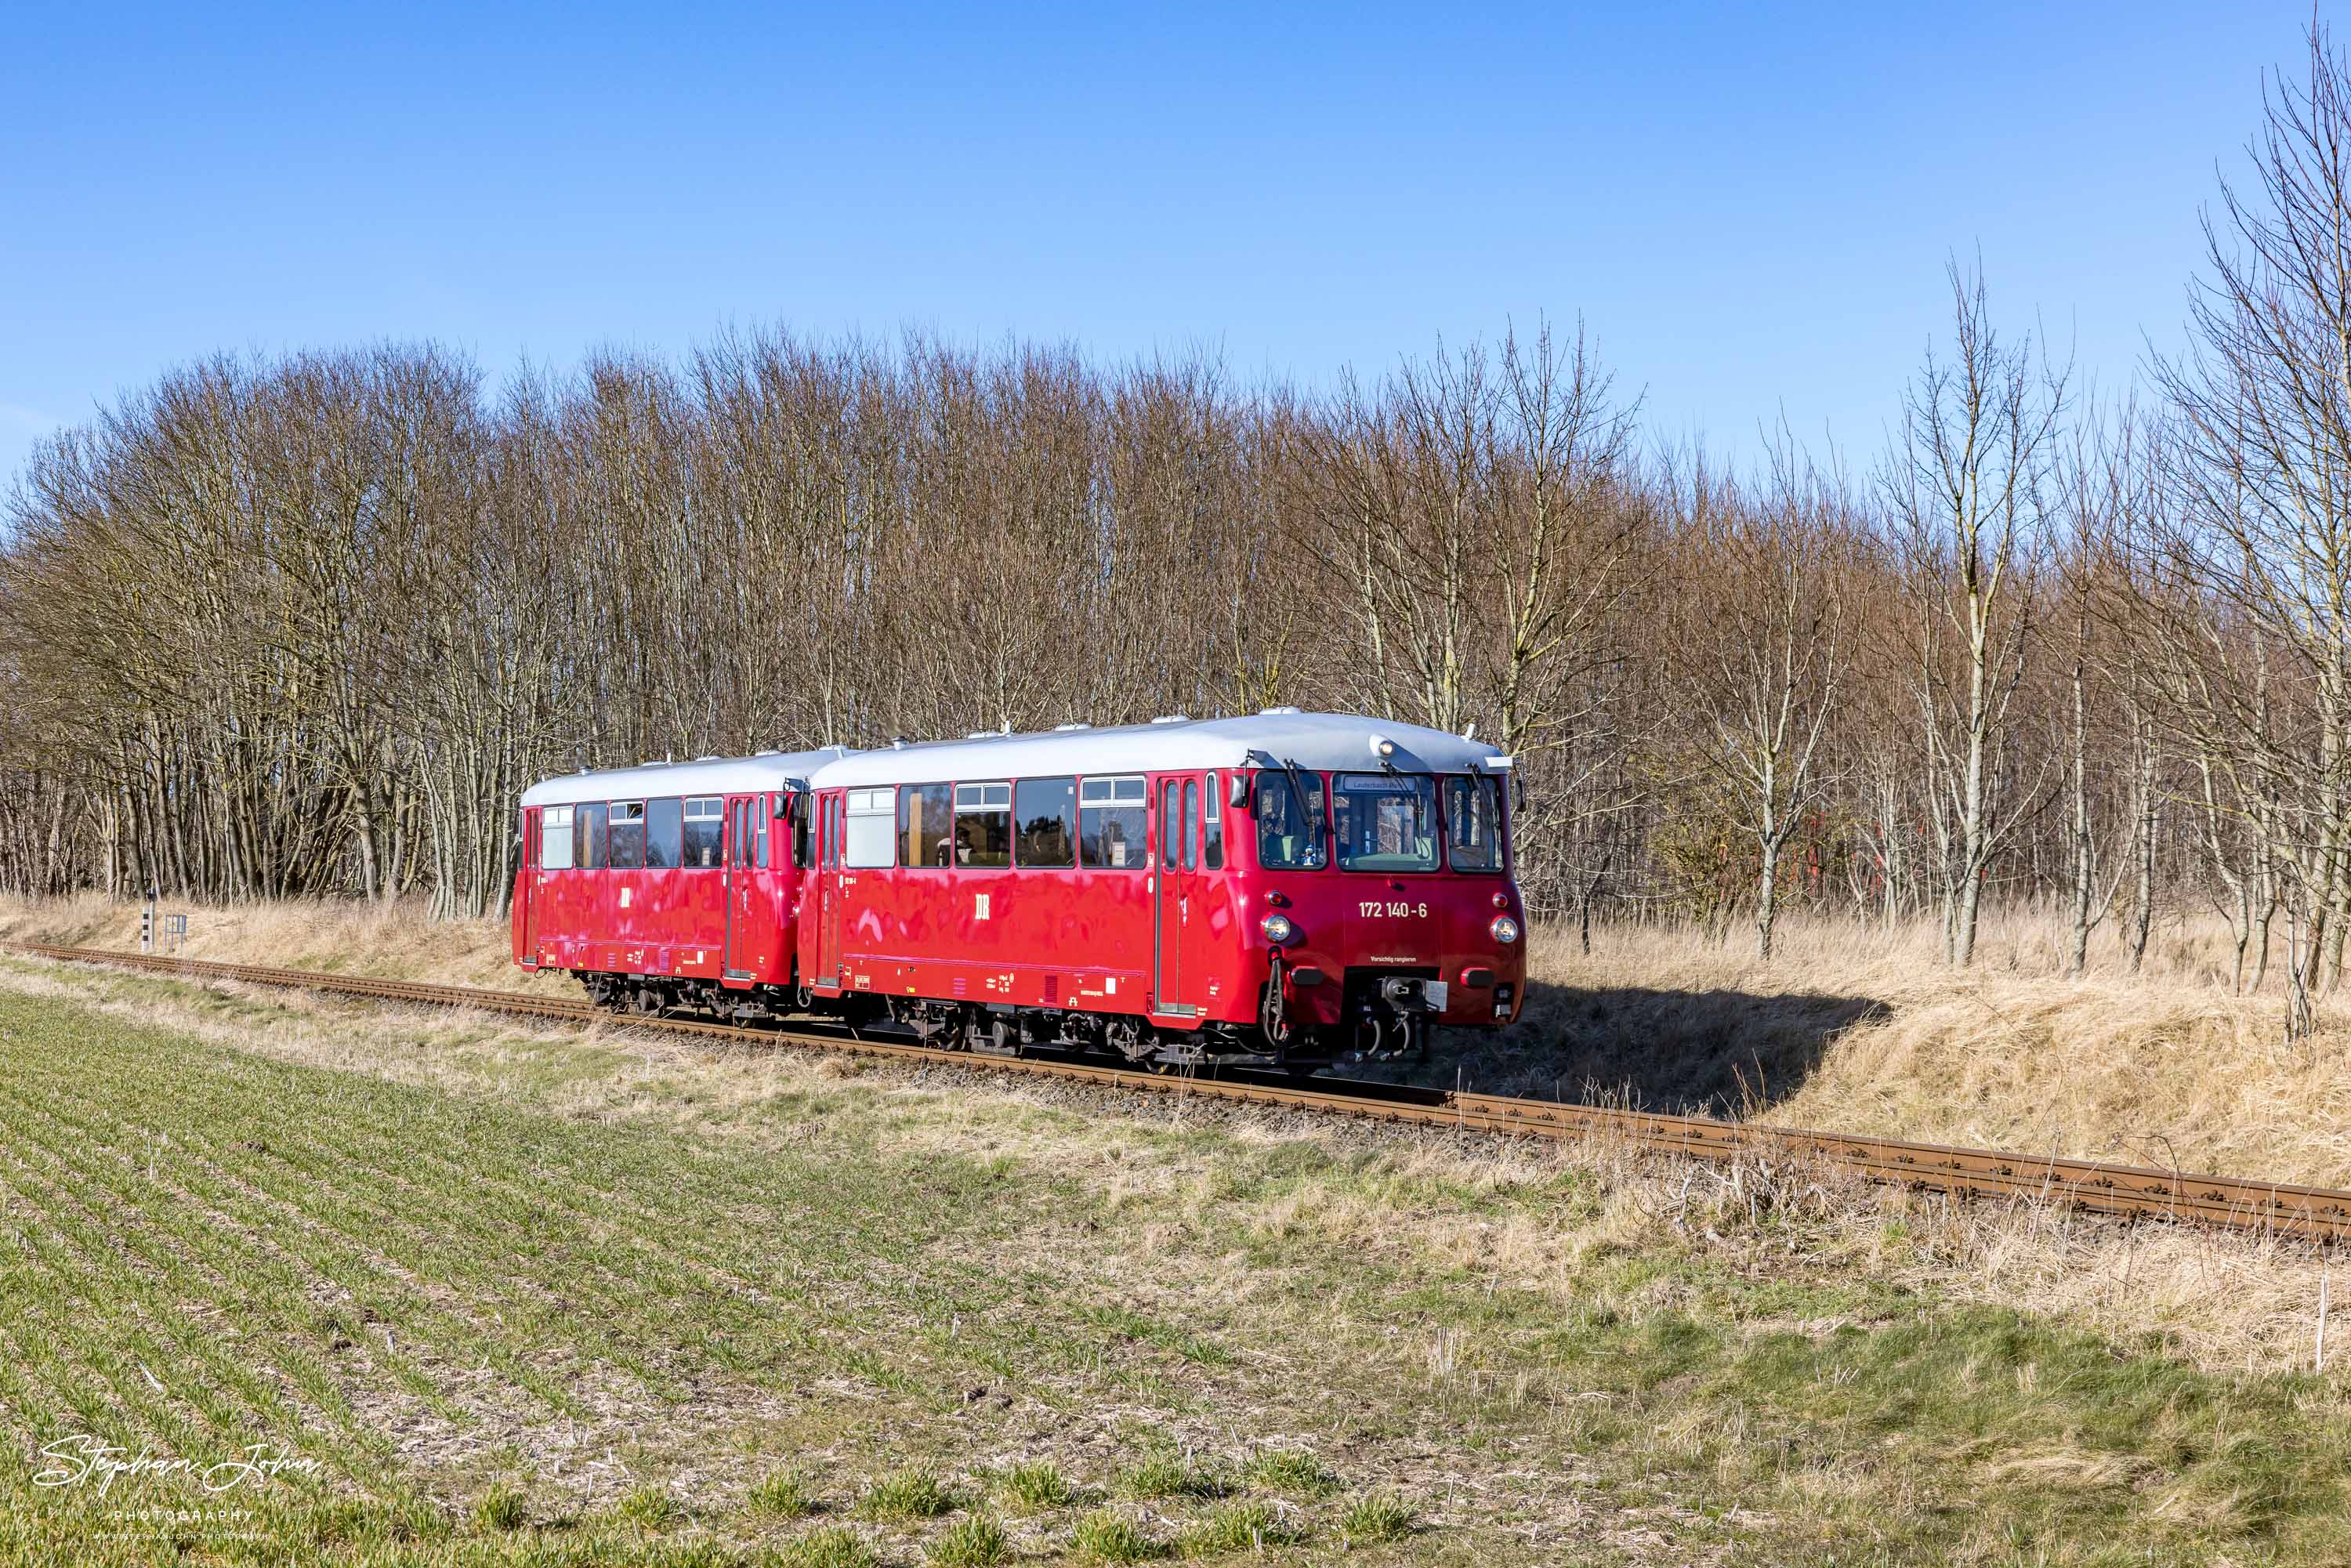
{"x":2319,"y":1214}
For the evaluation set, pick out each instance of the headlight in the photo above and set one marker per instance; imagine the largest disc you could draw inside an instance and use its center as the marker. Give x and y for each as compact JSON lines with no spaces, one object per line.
{"x":1278,"y":928}
{"x":1505,"y":929}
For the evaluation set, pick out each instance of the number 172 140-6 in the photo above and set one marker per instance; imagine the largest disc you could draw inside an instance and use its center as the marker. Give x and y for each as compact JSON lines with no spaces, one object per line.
{"x":1374,"y":907}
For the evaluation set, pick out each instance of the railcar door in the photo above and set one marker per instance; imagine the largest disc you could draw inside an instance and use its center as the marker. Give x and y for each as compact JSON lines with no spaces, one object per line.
{"x":829,"y":924}
{"x":529,"y":879}
{"x":742,"y":886}
{"x":1173,"y":903}
{"x":1208,"y":941}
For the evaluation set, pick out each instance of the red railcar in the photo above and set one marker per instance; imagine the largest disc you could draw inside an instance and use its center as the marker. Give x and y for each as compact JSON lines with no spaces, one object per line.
{"x":1289,"y":888}
{"x":669,"y":884}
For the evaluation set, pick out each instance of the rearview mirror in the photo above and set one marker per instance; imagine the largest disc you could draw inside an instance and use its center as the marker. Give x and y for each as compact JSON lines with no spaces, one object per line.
{"x":1236,"y":792}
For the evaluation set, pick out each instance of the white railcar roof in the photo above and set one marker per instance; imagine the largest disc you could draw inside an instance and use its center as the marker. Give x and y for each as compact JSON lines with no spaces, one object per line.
{"x":1321,"y":741}
{"x":702,"y":776}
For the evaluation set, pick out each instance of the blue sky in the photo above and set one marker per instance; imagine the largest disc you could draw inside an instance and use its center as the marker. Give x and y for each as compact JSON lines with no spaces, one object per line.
{"x":1750,"y":206}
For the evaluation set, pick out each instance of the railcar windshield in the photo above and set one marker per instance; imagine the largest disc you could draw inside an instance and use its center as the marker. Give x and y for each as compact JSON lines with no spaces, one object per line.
{"x":1289,"y":830}
{"x":1473,"y":824}
{"x":1385,"y":821}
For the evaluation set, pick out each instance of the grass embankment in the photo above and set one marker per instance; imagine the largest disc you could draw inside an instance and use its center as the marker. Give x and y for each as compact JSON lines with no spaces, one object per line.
{"x":1852,"y":1026}
{"x":395,"y":940}
{"x":1859,"y":1028}
{"x":527,"y":1296}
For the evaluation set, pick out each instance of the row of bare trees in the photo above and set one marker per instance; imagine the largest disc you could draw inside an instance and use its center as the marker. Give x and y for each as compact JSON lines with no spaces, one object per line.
{"x":306,"y":626}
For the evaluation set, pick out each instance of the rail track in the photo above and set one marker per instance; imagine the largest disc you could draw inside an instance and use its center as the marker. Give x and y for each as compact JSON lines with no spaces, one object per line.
{"x":2313,"y":1213}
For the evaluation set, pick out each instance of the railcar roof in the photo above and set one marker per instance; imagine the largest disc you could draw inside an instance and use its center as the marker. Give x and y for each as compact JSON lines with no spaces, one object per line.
{"x":702,"y":776}
{"x":1311,"y":740}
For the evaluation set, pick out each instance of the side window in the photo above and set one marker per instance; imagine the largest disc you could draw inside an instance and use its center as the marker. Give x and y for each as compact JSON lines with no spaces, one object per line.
{"x":704,"y":817}
{"x":759,"y":806}
{"x":1190,"y":826}
{"x":983,"y":826}
{"x":924,"y":825}
{"x":1212,"y":825}
{"x":664,"y":834}
{"x":628,"y":835}
{"x":738,"y":832}
{"x":868,"y":813}
{"x":1045,"y":815}
{"x":1109,"y":822}
{"x":589,"y":837}
{"x":555,"y":838}
{"x":1473,"y":824}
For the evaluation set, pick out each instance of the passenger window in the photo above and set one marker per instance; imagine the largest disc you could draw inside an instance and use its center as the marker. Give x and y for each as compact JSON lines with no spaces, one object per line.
{"x":664,"y":834}
{"x":1109,"y":822}
{"x":555,"y":838}
{"x":868,"y":842}
{"x":628,"y":835}
{"x":1189,"y":827}
{"x":758,"y":808}
{"x":704,"y":817}
{"x":589,"y":837}
{"x":983,"y":826}
{"x":1046,"y":810}
{"x":925,"y":831}
{"x":1212,"y":850}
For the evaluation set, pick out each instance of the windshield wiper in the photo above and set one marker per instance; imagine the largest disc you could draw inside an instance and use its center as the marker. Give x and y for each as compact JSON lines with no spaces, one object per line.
{"x":1314,"y":814}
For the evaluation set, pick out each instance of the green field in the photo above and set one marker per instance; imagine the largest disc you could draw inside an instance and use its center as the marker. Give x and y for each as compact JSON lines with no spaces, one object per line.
{"x":492,"y":1295}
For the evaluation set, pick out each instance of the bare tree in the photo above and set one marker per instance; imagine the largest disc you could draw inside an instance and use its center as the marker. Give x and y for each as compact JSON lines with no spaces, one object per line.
{"x":1966,"y":485}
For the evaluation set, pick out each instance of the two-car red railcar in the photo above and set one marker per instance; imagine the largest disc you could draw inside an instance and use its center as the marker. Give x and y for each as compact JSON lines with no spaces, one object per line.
{"x":1289,"y":887}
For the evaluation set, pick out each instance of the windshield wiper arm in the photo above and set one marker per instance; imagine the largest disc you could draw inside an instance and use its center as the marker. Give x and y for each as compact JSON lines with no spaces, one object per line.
{"x":1313,"y":813}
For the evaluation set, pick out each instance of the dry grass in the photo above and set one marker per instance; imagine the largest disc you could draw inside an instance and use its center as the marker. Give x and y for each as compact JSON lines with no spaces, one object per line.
{"x":1857,"y":1029}
{"x":394,"y":940}
{"x":1852,"y":1027}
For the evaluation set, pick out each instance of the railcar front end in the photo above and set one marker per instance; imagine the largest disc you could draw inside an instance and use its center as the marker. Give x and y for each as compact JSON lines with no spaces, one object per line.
{"x":1386,"y":907}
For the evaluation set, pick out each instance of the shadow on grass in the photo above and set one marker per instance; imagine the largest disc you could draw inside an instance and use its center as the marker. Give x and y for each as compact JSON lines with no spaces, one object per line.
{"x":1716,"y":1052}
